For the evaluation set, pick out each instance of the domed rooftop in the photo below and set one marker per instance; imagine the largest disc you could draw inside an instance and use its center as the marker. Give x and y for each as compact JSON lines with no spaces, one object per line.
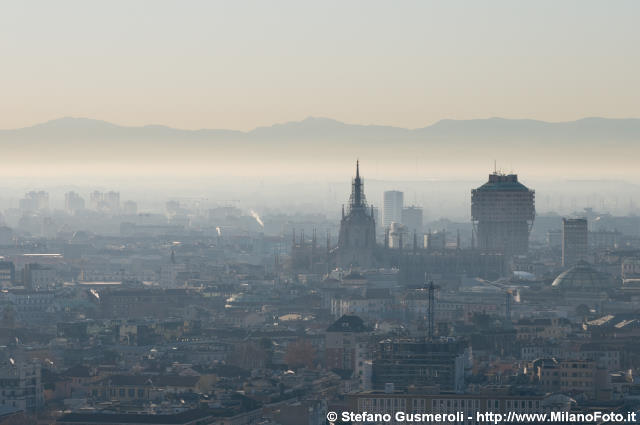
{"x":582,"y":277}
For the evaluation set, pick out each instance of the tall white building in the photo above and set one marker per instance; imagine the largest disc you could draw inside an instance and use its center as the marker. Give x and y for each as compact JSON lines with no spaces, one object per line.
{"x":392,"y":207}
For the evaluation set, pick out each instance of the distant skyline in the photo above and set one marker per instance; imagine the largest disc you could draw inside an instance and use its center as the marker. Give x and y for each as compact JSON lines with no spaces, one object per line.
{"x":240,"y":65}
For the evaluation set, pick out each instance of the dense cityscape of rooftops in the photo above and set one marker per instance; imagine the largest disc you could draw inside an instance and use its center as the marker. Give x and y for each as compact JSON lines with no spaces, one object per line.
{"x":225,"y":315}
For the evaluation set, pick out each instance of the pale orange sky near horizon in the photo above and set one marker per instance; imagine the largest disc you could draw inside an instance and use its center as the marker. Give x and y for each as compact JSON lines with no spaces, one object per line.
{"x":240,"y":65}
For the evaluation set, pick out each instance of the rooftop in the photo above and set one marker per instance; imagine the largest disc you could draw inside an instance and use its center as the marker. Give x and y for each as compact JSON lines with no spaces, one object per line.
{"x":348,"y":324}
{"x":508,"y":182}
{"x":187,"y":417}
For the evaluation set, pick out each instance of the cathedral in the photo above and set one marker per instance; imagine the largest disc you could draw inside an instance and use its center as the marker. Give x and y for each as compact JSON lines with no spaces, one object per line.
{"x":357,"y":237}
{"x":357,"y":249}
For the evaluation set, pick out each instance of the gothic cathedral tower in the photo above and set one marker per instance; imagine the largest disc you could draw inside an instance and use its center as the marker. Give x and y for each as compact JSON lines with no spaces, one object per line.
{"x":357,"y":238}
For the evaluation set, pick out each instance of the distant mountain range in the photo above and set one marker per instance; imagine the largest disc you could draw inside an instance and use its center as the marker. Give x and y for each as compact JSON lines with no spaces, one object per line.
{"x":82,"y":137}
{"x":312,"y":128}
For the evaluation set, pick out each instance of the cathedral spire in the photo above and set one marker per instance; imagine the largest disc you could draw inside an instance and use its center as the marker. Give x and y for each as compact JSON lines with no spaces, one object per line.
{"x":357,"y":237}
{"x":357,"y":200}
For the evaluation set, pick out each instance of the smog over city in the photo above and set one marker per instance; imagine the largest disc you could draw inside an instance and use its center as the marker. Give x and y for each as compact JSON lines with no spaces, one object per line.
{"x":321,"y":212}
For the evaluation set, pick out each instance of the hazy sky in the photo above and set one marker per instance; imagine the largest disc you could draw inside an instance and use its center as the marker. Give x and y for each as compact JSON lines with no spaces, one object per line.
{"x":239,"y":64}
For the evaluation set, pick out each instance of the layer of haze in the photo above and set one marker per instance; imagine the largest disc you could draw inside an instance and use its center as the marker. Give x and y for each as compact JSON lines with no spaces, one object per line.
{"x":239,"y":65}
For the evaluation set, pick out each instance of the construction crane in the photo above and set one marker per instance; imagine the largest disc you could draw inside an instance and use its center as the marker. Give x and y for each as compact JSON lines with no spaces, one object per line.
{"x":431,"y":312}
{"x":509,"y":295}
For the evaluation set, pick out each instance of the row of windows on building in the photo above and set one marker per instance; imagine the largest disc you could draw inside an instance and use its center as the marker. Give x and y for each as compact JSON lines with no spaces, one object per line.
{"x":392,"y":404}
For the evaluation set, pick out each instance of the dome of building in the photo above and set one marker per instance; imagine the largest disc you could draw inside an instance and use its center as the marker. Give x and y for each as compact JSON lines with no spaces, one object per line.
{"x":582,"y":277}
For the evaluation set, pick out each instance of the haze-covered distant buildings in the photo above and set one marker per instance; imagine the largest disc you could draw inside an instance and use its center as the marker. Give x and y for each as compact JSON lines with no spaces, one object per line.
{"x":34,"y":201}
{"x":574,"y":240}
{"x":73,"y":202}
{"x":412,"y":218}
{"x":105,"y":201}
{"x":217,"y":313}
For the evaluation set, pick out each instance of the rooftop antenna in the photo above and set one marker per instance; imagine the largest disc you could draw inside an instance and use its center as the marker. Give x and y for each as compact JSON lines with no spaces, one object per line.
{"x":495,"y":167}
